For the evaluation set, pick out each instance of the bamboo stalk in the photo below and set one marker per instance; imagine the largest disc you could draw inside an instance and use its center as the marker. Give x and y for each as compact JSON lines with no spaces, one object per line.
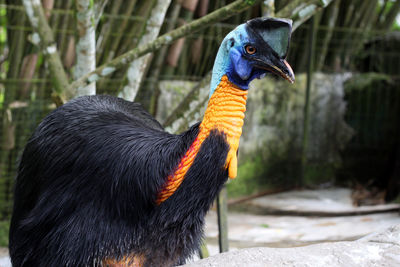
{"x":197,"y":46}
{"x":116,"y":41}
{"x":332,"y":15}
{"x":62,"y":24}
{"x":86,"y":44}
{"x":358,"y":39}
{"x":132,"y":38}
{"x":390,"y":17}
{"x":27,"y":72}
{"x":17,"y":44}
{"x":353,"y":22}
{"x":106,"y":31}
{"x":178,"y":48}
{"x":69,"y":55}
{"x":380,"y":16}
{"x":45,"y":38}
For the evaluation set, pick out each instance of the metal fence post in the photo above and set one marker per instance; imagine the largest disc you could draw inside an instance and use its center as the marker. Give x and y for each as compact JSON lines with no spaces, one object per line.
{"x":222,"y":210}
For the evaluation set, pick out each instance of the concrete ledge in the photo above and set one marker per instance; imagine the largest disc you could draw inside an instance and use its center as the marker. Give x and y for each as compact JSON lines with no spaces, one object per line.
{"x":380,"y":249}
{"x":322,"y":203}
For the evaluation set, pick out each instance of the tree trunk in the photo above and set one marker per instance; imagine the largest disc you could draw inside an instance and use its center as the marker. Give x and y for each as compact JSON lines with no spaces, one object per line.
{"x":86,"y":44}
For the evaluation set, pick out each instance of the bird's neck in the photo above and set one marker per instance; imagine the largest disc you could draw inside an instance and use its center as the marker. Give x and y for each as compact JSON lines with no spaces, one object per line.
{"x":225,"y":113}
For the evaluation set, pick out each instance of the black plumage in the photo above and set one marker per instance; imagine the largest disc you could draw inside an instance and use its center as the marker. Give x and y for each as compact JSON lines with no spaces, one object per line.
{"x":84,"y":207}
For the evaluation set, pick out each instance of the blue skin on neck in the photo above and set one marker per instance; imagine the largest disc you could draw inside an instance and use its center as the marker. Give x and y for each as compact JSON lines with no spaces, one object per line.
{"x":230,"y":61}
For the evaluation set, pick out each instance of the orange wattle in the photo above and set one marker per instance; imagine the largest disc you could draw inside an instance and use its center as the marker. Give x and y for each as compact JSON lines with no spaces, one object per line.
{"x":225,"y":112}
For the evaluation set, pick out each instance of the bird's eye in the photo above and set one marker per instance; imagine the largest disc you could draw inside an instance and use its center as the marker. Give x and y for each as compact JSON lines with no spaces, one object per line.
{"x":250,"y":49}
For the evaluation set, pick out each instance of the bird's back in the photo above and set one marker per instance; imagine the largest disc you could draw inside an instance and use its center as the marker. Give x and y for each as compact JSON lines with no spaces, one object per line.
{"x":88,"y":165}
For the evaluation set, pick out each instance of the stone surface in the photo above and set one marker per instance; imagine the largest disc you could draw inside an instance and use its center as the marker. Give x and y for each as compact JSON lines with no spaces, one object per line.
{"x":381,"y":249}
{"x":247,"y":230}
{"x":5,"y":261}
{"x":252,"y":230}
{"x":323,"y":202}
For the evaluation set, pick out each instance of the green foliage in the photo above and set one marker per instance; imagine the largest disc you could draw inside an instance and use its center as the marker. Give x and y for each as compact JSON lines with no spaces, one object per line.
{"x":264,"y":225}
{"x":1,"y":97}
{"x":4,"y":229}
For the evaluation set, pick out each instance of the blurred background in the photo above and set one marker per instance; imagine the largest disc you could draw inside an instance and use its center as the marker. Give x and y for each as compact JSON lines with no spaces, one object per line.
{"x":337,"y":126}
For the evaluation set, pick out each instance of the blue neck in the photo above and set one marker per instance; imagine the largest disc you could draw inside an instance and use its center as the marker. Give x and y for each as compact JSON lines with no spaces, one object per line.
{"x":229,"y":61}
{"x":221,"y":66}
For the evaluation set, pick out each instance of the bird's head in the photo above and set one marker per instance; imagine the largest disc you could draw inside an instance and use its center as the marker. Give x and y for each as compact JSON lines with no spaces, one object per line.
{"x":252,"y":50}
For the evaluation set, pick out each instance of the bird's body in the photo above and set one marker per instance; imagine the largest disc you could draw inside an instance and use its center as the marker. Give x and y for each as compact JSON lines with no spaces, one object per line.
{"x":101,"y":183}
{"x":88,"y":215}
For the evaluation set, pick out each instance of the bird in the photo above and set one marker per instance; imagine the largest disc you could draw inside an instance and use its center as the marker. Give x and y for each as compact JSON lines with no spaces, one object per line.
{"x":101,"y":183}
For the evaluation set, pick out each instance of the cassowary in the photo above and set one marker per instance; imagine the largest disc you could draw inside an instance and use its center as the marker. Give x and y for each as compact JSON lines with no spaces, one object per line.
{"x":100,"y":183}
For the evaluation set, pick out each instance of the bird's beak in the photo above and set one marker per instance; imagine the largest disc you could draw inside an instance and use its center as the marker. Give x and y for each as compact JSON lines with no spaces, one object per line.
{"x":280,"y":67}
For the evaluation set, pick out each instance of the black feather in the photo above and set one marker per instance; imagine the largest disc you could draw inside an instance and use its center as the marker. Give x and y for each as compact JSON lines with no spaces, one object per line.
{"x":88,"y":180}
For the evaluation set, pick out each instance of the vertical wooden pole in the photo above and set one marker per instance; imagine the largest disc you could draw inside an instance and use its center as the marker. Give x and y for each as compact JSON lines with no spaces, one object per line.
{"x":306,"y":121}
{"x":222,"y":210}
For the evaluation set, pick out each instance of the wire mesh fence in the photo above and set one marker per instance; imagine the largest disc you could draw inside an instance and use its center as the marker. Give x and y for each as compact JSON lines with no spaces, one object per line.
{"x":345,"y":45}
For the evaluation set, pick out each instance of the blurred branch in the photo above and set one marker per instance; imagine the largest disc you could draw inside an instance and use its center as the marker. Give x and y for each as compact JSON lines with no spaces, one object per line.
{"x":98,"y":11}
{"x":168,"y":38}
{"x":43,"y":36}
{"x":388,"y":21}
{"x":300,"y":11}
